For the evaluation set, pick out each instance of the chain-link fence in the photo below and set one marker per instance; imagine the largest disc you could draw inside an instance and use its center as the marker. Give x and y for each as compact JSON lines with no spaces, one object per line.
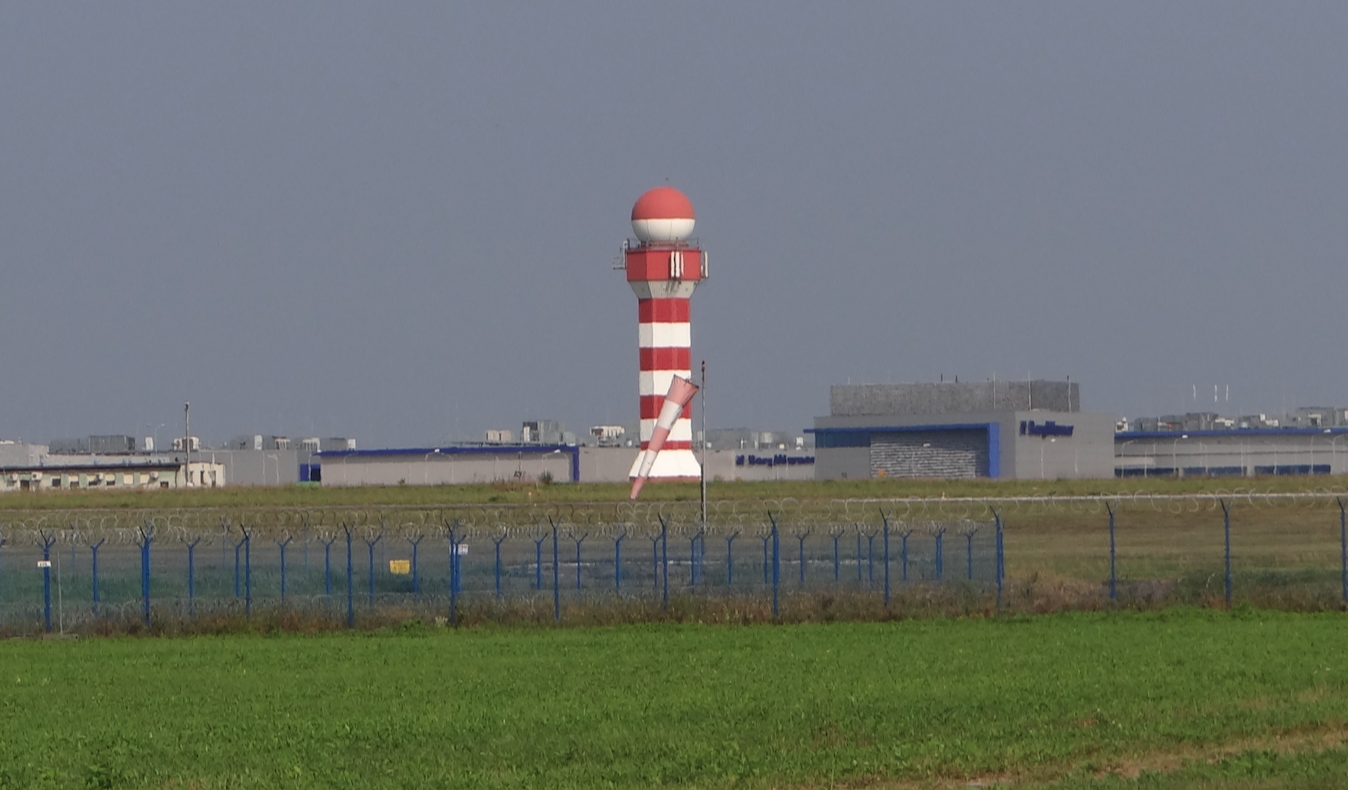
{"x":79,"y":570}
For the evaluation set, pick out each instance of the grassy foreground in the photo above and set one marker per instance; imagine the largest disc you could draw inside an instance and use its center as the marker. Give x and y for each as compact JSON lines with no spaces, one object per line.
{"x":1062,"y":701}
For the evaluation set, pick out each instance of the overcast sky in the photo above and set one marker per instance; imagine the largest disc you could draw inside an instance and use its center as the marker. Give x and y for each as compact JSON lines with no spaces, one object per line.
{"x":397,"y":221}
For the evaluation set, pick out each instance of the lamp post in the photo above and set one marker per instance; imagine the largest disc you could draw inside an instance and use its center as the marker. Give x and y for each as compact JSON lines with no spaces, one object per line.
{"x":187,"y":441}
{"x":1174,"y":454}
{"x":1333,"y":451}
{"x":153,"y":430}
{"x":1122,"y":454}
{"x":425,"y":464}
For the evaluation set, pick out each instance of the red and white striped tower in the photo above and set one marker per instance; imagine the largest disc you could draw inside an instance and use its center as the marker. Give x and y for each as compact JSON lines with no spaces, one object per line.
{"x":663,"y":268}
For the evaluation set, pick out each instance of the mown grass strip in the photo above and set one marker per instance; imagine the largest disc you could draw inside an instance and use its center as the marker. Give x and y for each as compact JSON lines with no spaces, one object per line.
{"x":503,"y":493}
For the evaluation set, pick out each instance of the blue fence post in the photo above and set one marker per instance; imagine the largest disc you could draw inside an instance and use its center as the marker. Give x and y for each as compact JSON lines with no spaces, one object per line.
{"x":1343,"y":549}
{"x":939,"y":535}
{"x":1000,"y":571}
{"x":225,"y":542}
{"x":539,"y":537}
{"x":837,"y":564}
{"x":93,"y":568}
{"x":248,"y":573}
{"x":730,"y":558}
{"x":870,"y":557}
{"x":579,"y":540}
{"x":282,"y":544}
{"x":191,"y":576}
{"x":800,"y":540}
{"x":238,"y":568}
{"x":1226,"y":526}
{"x":416,"y":572}
{"x":1113,"y":577}
{"x":498,"y":540}
{"x":776,"y":568}
{"x":886,"y":558}
{"x":47,"y":541}
{"x":618,"y":559}
{"x":903,"y":554}
{"x":767,"y":562}
{"x":664,"y":563}
{"x":692,"y":560}
{"x":556,"y":576}
{"x":370,"y":544}
{"x":327,"y":564}
{"x":969,"y":552}
{"x":147,"y":537}
{"x":451,"y":529}
{"x":350,"y":582}
{"x":859,"y":576}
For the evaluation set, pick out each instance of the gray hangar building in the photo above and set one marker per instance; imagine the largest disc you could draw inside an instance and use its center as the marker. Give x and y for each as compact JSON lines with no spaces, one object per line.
{"x":1002,"y":430}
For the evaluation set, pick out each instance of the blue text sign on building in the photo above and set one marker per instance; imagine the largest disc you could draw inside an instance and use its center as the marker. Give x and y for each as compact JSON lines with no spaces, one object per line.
{"x":1049,"y":428}
{"x":781,"y":459}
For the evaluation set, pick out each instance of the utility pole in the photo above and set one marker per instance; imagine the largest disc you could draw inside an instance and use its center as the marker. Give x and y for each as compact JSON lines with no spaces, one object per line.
{"x":187,"y":443}
{"x":703,"y":409}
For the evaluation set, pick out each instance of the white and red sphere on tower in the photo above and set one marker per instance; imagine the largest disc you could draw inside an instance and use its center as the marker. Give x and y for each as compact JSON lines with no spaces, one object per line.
{"x":663,"y":268}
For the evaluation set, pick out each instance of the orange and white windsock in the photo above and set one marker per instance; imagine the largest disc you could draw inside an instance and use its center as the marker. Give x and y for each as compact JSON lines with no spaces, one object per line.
{"x":681,"y":392}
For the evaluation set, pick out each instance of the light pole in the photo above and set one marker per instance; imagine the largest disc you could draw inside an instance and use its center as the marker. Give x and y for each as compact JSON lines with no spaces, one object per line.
{"x":425,"y":463}
{"x":1122,"y":454}
{"x":153,"y":430}
{"x":187,"y":441}
{"x":702,"y":409}
{"x":1174,"y":454}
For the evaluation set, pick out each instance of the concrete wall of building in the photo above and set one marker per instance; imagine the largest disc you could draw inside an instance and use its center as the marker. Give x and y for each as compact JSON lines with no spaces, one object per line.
{"x":959,"y":454}
{"x":946,"y":398}
{"x":606,"y":464}
{"x":759,"y":465}
{"x":21,"y":453}
{"x":81,"y":473}
{"x":256,"y":467}
{"x":1232,"y":454}
{"x":1087,"y":453}
{"x":612,"y":464}
{"x":444,"y":469}
{"x":842,"y":463}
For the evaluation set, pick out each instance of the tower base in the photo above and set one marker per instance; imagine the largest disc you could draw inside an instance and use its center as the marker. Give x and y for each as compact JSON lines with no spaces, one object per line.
{"x":670,"y":465}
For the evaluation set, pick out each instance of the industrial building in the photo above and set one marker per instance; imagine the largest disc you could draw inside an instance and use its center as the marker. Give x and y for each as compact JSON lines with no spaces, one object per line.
{"x":1206,"y":444}
{"x":97,"y":472}
{"x":485,"y":463}
{"x":995,"y":429}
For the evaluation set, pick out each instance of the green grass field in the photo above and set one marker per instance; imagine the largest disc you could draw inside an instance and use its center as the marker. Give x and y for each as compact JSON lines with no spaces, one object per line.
{"x":1184,"y":698}
{"x":532,"y":494}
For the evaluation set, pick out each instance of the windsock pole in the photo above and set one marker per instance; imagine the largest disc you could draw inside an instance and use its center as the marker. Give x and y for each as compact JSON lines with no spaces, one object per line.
{"x":681,"y":392}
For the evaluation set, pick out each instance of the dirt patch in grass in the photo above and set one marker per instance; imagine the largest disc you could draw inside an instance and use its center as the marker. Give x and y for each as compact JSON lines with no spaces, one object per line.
{"x":1299,"y":741}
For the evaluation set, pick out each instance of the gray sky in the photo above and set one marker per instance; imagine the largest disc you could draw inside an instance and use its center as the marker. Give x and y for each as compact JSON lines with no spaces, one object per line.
{"x":397,"y":221}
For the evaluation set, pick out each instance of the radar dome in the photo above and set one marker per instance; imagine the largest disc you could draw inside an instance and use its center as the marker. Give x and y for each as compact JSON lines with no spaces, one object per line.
{"x":663,"y":214}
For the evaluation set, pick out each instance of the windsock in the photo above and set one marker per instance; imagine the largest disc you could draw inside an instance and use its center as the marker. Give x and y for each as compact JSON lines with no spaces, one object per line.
{"x":681,"y":392}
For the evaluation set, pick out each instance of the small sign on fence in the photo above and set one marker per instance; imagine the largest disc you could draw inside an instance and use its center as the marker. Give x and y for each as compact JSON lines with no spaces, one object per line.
{"x":400,"y":567}
{"x":463,"y":549}
{"x":44,"y":563}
